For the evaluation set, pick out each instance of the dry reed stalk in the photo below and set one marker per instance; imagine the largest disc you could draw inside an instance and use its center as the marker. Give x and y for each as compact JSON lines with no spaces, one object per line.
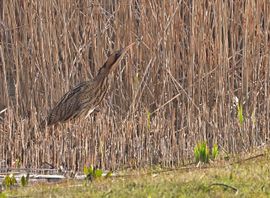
{"x":193,"y":58}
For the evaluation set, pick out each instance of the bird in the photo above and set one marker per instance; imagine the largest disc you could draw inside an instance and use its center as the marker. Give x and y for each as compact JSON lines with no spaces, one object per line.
{"x":84,"y":98}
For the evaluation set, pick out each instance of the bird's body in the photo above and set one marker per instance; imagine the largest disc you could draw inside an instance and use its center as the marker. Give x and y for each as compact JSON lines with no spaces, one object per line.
{"x":85,"y":97}
{"x":78,"y":102}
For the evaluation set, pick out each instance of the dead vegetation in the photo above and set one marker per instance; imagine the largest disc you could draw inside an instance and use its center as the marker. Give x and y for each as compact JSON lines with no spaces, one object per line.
{"x":178,"y":86}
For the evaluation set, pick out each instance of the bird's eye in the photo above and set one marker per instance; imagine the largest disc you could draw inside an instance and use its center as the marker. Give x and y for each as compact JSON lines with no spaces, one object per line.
{"x":117,"y":55}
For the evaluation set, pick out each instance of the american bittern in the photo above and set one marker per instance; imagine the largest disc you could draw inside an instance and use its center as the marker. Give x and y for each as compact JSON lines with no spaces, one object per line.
{"x":85,"y":97}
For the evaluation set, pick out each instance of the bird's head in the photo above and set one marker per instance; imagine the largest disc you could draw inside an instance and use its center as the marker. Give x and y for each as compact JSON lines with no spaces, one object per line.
{"x":113,"y":59}
{"x":116,"y":57}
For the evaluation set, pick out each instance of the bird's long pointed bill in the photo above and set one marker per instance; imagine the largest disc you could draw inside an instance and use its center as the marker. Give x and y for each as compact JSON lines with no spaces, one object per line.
{"x":124,"y":50}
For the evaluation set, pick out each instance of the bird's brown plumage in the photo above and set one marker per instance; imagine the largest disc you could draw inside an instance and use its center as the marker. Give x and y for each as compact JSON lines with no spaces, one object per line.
{"x":85,"y":97}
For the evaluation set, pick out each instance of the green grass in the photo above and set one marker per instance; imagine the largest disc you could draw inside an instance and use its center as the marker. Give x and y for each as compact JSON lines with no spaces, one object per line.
{"x":250,"y":178}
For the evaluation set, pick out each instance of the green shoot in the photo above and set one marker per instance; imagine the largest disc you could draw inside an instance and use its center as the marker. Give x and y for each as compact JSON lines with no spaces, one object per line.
{"x":92,"y":173}
{"x":24,"y":180}
{"x":240,"y":115}
{"x":109,"y":174}
{"x":214,"y":152}
{"x":201,"y":153}
{"x":9,"y":181}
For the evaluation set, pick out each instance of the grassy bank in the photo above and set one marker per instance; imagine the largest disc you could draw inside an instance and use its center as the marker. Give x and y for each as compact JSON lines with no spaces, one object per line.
{"x":194,"y":67}
{"x":245,"y":178}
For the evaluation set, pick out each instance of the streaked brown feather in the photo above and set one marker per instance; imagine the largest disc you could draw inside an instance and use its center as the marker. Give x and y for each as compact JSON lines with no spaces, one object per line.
{"x":87,"y":95}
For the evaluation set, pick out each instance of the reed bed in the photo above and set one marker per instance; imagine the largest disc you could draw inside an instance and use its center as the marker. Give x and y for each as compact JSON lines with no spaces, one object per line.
{"x":177,"y":87}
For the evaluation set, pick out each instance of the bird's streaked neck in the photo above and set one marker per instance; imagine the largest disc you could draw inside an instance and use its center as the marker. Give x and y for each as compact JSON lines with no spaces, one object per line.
{"x":104,"y":71}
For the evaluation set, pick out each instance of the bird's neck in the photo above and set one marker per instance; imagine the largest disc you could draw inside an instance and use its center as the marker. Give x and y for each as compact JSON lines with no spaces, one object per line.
{"x":104,"y":71}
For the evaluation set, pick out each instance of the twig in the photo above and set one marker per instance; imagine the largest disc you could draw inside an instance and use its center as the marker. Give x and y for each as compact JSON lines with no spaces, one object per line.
{"x":247,"y":159}
{"x":225,"y":185}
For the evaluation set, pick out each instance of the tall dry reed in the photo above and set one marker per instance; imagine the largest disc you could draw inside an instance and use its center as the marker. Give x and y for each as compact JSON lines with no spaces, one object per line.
{"x":176,"y":87}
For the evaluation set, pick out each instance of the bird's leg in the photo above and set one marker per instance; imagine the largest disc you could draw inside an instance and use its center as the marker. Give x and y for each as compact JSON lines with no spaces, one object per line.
{"x":95,"y":110}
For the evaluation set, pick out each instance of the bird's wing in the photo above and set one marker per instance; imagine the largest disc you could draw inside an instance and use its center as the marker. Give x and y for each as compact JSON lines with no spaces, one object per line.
{"x":68,"y":107}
